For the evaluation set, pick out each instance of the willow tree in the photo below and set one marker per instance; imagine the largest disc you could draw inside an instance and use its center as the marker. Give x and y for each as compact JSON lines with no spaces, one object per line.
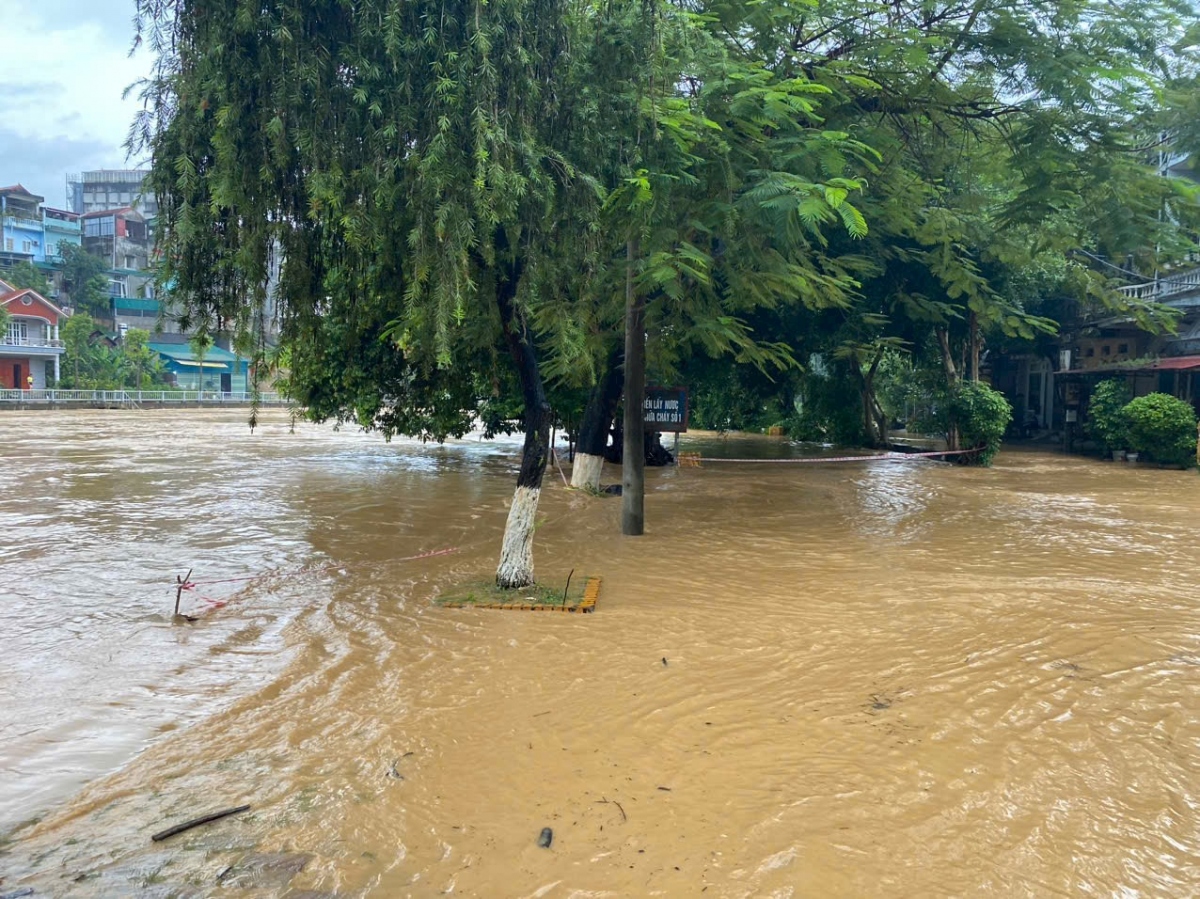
{"x":402,"y":164}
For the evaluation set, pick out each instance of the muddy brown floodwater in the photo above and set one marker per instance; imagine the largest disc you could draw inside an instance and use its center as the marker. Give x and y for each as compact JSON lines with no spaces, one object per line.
{"x":902,"y":679}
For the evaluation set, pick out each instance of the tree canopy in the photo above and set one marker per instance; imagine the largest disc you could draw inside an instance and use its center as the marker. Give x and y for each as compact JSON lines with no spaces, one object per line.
{"x":460,"y":198}
{"x":26,"y":275}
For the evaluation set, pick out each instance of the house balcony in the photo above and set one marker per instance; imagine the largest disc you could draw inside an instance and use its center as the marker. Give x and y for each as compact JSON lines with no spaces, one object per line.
{"x":63,"y":226}
{"x":31,"y":346}
{"x":19,"y":219}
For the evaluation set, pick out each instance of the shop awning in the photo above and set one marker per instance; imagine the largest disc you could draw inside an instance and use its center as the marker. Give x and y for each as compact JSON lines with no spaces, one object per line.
{"x":1173,"y":363}
{"x":213,"y":365}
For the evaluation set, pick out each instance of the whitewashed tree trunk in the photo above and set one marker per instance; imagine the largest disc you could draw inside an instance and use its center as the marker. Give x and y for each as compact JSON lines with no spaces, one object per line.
{"x":586,"y":471}
{"x":516,"y":553}
{"x":597,"y":420}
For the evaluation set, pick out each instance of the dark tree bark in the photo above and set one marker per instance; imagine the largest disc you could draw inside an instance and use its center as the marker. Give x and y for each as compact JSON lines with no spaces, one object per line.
{"x":516,"y":554}
{"x":597,"y":422}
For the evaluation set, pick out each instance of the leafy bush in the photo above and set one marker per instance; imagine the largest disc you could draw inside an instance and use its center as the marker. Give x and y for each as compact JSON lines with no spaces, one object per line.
{"x":982,"y":415}
{"x":1162,"y":427}
{"x":1107,"y":421}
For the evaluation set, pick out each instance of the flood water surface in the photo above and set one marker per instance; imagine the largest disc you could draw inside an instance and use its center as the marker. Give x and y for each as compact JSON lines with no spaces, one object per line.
{"x":907,"y":679}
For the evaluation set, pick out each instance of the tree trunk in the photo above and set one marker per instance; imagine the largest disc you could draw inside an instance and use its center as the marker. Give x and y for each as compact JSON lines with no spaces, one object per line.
{"x":633,"y":462}
{"x":597,"y":421}
{"x":868,"y":413}
{"x":516,"y":552}
{"x":974,"y":346}
{"x":875,"y":431}
{"x":943,"y":337}
{"x":881,"y":420}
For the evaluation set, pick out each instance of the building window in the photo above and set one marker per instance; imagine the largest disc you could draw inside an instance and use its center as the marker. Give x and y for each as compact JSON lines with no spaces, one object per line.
{"x":1123,"y":348}
{"x":8,"y":244}
{"x":1091,"y":351}
{"x":1105,"y":350}
{"x":18,"y":332}
{"x":99,"y":227}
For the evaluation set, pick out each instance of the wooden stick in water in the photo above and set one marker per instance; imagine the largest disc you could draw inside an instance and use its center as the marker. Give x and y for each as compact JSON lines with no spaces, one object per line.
{"x":179,"y":585}
{"x":196,"y":822}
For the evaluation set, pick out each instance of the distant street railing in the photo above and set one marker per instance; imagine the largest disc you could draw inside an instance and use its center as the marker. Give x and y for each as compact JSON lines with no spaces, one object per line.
{"x":136,"y":398}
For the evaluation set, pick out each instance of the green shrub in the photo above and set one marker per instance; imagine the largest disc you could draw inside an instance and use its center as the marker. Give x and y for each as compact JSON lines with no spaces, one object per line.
{"x":1162,"y":427}
{"x":982,"y":415}
{"x":1107,"y":422}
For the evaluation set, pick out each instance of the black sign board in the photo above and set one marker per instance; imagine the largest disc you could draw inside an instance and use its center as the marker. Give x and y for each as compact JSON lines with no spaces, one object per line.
{"x":666,"y":409}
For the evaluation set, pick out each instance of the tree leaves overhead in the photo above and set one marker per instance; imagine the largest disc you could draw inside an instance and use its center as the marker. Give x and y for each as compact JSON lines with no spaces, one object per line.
{"x":800,"y":176}
{"x":392,"y":159}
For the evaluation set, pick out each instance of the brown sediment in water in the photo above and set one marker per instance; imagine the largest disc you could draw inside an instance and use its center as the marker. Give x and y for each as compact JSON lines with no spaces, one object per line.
{"x":890,"y":679}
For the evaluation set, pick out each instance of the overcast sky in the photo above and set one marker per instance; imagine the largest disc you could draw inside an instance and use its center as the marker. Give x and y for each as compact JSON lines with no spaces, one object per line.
{"x":63,"y":68}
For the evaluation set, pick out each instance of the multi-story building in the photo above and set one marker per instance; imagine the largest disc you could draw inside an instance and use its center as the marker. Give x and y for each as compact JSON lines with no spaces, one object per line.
{"x":22,"y":232}
{"x":121,"y":237}
{"x":111,"y":189}
{"x":31,"y":232}
{"x":30,"y":347}
{"x":61,"y":228}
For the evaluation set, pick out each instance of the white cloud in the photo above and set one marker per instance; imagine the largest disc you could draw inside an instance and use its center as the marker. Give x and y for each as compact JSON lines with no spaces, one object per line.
{"x":62,"y":74}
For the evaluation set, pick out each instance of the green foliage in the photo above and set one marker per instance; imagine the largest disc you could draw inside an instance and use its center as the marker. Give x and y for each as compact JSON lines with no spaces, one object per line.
{"x":89,"y":363}
{"x":724,"y":396}
{"x":1163,"y":427}
{"x":981,"y":415}
{"x":408,"y":160}
{"x":26,"y":275}
{"x":85,"y":280}
{"x":144,"y":366}
{"x":903,"y":387}
{"x":829,"y":409}
{"x":1107,"y":421}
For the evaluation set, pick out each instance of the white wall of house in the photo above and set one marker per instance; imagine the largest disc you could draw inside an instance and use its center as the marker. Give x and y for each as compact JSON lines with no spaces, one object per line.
{"x":189,"y":380}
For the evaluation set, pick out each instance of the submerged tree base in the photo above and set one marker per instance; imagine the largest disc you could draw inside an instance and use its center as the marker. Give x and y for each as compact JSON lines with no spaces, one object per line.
{"x":579,"y":596}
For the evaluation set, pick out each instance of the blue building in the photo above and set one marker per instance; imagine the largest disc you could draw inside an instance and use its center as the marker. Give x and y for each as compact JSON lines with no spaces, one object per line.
{"x":220,"y":371}
{"x":61,"y":228}
{"x":22,"y":231}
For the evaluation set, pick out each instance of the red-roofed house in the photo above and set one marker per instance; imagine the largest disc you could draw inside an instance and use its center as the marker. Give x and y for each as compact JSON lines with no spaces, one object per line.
{"x":30,"y":347}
